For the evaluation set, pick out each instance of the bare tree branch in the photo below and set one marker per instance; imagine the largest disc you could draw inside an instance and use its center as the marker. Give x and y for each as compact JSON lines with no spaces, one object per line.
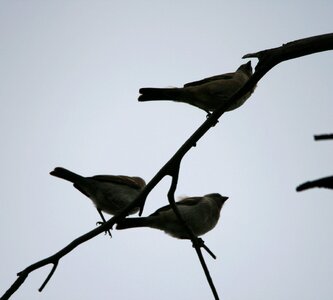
{"x":53,"y":259}
{"x":55,"y":265}
{"x":196,"y":242}
{"x":295,"y":49}
{"x":326,"y":182}
{"x":323,"y":137}
{"x":267,"y":60}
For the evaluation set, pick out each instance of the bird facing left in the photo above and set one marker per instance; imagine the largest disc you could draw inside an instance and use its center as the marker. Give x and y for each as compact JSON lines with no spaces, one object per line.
{"x":207,"y":94}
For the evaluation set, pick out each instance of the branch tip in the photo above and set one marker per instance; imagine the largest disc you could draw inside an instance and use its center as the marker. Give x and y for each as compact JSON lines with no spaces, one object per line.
{"x":55,"y":265}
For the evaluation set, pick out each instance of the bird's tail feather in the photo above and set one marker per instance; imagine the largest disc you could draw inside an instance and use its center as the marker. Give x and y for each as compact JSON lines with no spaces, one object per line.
{"x":65,"y":174}
{"x":151,"y":94}
{"x":133,"y":222}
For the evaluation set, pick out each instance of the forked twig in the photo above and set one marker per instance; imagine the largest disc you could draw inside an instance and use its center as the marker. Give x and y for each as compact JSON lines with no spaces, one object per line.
{"x":267,"y":60}
{"x":197,"y":243}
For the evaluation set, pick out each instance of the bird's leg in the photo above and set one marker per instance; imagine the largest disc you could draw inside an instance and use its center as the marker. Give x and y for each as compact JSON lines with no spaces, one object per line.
{"x":104,"y":221}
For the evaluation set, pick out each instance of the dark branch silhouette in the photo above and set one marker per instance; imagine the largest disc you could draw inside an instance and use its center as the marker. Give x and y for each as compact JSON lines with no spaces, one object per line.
{"x":267,"y":60}
{"x":326,"y":182}
{"x":196,"y":242}
{"x":321,"y":137}
{"x":53,"y":259}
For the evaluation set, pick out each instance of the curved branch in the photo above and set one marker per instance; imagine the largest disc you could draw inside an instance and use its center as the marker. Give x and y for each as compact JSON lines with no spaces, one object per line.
{"x":294,"y":49}
{"x":196,"y":242}
{"x":55,"y":265}
{"x":53,"y":259}
{"x":326,"y":182}
{"x":267,"y":60}
{"x":321,"y":137}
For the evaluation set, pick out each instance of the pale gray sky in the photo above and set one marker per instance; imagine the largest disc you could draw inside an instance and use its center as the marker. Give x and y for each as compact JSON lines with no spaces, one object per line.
{"x":70,"y":73}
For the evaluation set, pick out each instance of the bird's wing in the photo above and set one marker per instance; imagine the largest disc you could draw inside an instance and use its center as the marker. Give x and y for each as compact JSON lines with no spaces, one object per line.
{"x":81,"y":189}
{"x":209,"y":79}
{"x":120,"y":179}
{"x":185,"y":202}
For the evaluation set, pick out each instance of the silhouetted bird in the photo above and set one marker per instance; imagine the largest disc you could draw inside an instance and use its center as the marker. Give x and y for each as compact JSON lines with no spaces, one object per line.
{"x":207,"y":94}
{"x":109,"y":193}
{"x":326,"y":182}
{"x":201,"y":214}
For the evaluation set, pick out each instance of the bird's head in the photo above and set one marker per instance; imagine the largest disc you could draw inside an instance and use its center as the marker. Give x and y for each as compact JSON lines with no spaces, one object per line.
{"x":219,"y":199}
{"x":246,"y":68}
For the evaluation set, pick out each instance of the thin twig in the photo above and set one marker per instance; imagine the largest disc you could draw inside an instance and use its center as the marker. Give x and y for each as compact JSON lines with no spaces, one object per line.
{"x":267,"y":60}
{"x":203,"y":245}
{"x":325,"y":182}
{"x":205,"y":268}
{"x":55,"y":265}
{"x":174,"y":173}
{"x":53,"y":259}
{"x":321,"y":137}
{"x":196,"y":242}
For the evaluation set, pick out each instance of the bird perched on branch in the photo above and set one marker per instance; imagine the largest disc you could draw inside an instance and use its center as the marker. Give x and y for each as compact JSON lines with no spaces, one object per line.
{"x":201,"y":214}
{"x":109,"y":193}
{"x":207,"y":94}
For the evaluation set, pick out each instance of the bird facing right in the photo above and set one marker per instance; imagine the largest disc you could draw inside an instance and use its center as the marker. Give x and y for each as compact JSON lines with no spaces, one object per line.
{"x":201,"y":214}
{"x":109,"y":193}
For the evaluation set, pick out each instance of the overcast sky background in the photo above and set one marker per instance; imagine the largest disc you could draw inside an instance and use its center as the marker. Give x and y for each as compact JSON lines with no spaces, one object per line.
{"x":70,"y":72}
